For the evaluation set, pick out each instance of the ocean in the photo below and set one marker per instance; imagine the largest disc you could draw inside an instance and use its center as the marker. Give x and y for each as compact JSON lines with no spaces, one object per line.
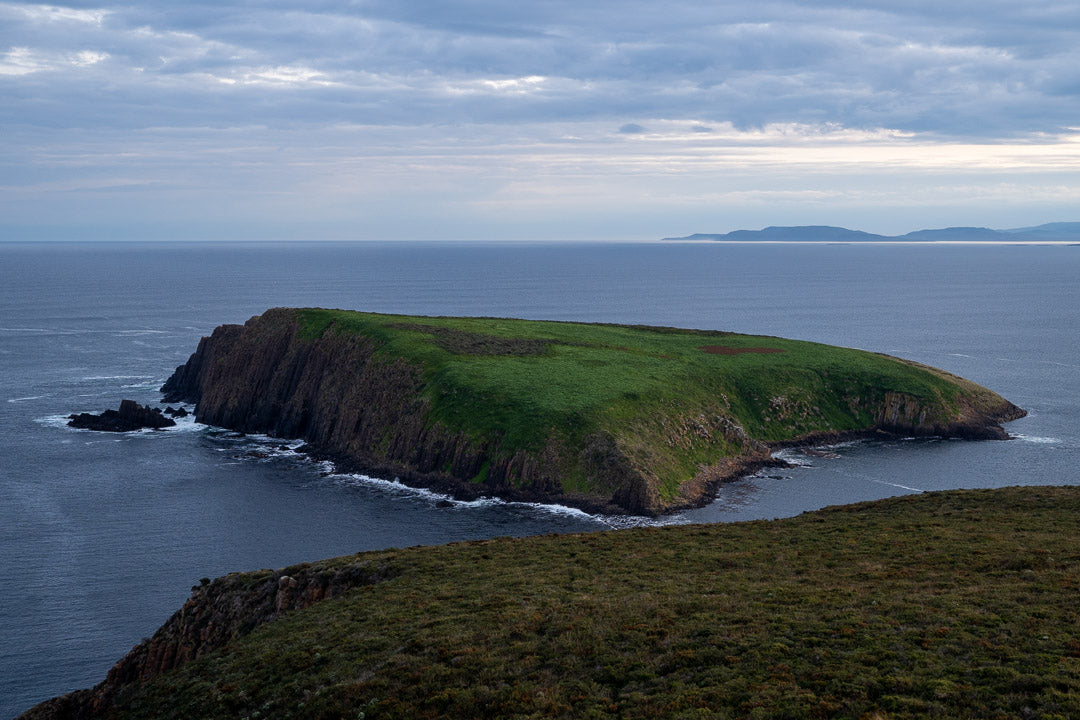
{"x":103,"y":535}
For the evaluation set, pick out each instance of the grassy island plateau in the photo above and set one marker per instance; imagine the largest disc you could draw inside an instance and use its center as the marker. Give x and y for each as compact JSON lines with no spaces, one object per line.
{"x":959,"y":604}
{"x":609,"y":418}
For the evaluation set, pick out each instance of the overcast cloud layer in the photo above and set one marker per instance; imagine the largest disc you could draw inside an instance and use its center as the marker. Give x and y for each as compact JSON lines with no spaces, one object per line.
{"x":556,"y":120}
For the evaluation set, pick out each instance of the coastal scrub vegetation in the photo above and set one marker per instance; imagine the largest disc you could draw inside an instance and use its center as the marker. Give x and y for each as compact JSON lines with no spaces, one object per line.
{"x":959,"y":604}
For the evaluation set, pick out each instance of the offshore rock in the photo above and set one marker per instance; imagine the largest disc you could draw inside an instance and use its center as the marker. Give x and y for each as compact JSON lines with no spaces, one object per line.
{"x":130,"y":416}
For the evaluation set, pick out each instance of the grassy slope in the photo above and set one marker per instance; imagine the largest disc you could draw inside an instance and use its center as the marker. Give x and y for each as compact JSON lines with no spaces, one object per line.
{"x":958,"y":604}
{"x":646,"y":387}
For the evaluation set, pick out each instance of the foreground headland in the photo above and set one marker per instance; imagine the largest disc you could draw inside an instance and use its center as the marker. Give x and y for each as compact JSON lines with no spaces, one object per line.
{"x":609,"y":418}
{"x":952,"y":604}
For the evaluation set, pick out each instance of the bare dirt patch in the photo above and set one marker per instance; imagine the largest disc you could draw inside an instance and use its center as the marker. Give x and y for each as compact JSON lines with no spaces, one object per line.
{"x":469,"y":343}
{"x":724,"y":350}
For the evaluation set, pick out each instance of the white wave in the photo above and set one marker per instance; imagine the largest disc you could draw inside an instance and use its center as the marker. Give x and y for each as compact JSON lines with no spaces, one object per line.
{"x":60,"y":421}
{"x":397,"y":487}
{"x":26,"y":399}
{"x":896,"y":485}
{"x":186,"y":424}
{"x":959,"y":355}
{"x":1037,"y":439}
{"x":793,"y":456}
{"x":118,"y":377}
{"x":139,"y":332}
{"x":263,"y":447}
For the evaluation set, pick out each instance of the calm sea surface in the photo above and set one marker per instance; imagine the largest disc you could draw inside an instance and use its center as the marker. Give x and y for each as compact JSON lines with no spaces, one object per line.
{"x":103,"y":535}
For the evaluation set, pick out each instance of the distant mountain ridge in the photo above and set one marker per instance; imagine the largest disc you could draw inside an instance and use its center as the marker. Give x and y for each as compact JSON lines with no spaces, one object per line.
{"x":1049,"y":232}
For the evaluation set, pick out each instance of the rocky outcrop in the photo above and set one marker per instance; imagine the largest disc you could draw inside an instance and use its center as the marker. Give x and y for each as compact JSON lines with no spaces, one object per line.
{"x":217,"y":612}
{"x":130,"y":416}
{"x":904,"y":414}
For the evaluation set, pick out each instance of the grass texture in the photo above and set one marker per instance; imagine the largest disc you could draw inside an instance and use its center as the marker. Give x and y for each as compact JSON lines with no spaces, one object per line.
{"x":960,"y":604}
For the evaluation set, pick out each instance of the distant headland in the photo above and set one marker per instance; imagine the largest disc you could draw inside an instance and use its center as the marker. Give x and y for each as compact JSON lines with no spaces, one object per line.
{"x":1056,"y":233}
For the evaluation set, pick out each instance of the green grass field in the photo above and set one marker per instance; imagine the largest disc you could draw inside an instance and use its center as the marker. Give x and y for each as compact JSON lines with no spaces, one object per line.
{"x":949,"y":605}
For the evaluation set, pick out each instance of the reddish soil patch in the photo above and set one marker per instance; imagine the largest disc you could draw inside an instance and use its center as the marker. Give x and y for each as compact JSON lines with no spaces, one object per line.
{"x":722,"y":350}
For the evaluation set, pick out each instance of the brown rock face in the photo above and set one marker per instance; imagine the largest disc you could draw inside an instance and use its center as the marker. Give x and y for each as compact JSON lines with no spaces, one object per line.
{"x":907,"y":415}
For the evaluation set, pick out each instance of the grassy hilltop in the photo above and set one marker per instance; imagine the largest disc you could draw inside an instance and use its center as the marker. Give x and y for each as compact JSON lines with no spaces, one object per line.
{"x":636,"y":418}
{"x":944,"y":605}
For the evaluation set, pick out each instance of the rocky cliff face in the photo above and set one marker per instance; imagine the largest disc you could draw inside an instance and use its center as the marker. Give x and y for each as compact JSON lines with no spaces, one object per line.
{"x":907,"y":415}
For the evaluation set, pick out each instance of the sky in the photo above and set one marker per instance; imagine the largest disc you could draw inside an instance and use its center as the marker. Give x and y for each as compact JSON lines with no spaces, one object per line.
{"x":545,"y":120}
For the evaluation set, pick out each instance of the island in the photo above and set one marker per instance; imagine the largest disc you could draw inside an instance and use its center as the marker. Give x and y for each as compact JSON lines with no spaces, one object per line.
{"x":608,"y":418}
{"x":1050,"y":233}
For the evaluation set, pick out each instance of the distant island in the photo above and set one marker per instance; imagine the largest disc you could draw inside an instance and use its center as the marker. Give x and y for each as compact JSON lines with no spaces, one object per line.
{"x":608,"y":418}
{"x":1058,"y":232}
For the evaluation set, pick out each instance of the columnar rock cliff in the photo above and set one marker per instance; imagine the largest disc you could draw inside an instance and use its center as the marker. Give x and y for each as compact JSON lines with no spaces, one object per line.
{"x":372,"y":409}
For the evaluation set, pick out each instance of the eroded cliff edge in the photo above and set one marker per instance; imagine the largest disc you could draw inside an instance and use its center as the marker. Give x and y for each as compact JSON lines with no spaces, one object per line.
{"x":458,"y":404}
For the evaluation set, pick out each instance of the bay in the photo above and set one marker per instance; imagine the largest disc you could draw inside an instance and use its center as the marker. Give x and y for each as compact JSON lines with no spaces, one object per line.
{"x":102,"y":536}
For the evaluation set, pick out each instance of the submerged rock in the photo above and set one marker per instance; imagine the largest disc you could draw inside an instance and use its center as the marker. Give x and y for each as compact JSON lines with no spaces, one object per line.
{"x":130,"y":416}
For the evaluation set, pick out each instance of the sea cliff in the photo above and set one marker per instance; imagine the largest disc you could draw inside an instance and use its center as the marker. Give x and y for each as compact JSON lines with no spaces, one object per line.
{"x":608,"y":418}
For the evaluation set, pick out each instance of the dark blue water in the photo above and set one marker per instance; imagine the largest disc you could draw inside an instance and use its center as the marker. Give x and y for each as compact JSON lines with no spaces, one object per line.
{"x":102,"y":536}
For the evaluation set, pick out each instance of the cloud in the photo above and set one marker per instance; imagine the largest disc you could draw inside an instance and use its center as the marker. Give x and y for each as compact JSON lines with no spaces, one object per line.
{"x":24,"y":61}
{"x":921,"y":67}
{"x":53,"y":13}
{"x":383,"y":96}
